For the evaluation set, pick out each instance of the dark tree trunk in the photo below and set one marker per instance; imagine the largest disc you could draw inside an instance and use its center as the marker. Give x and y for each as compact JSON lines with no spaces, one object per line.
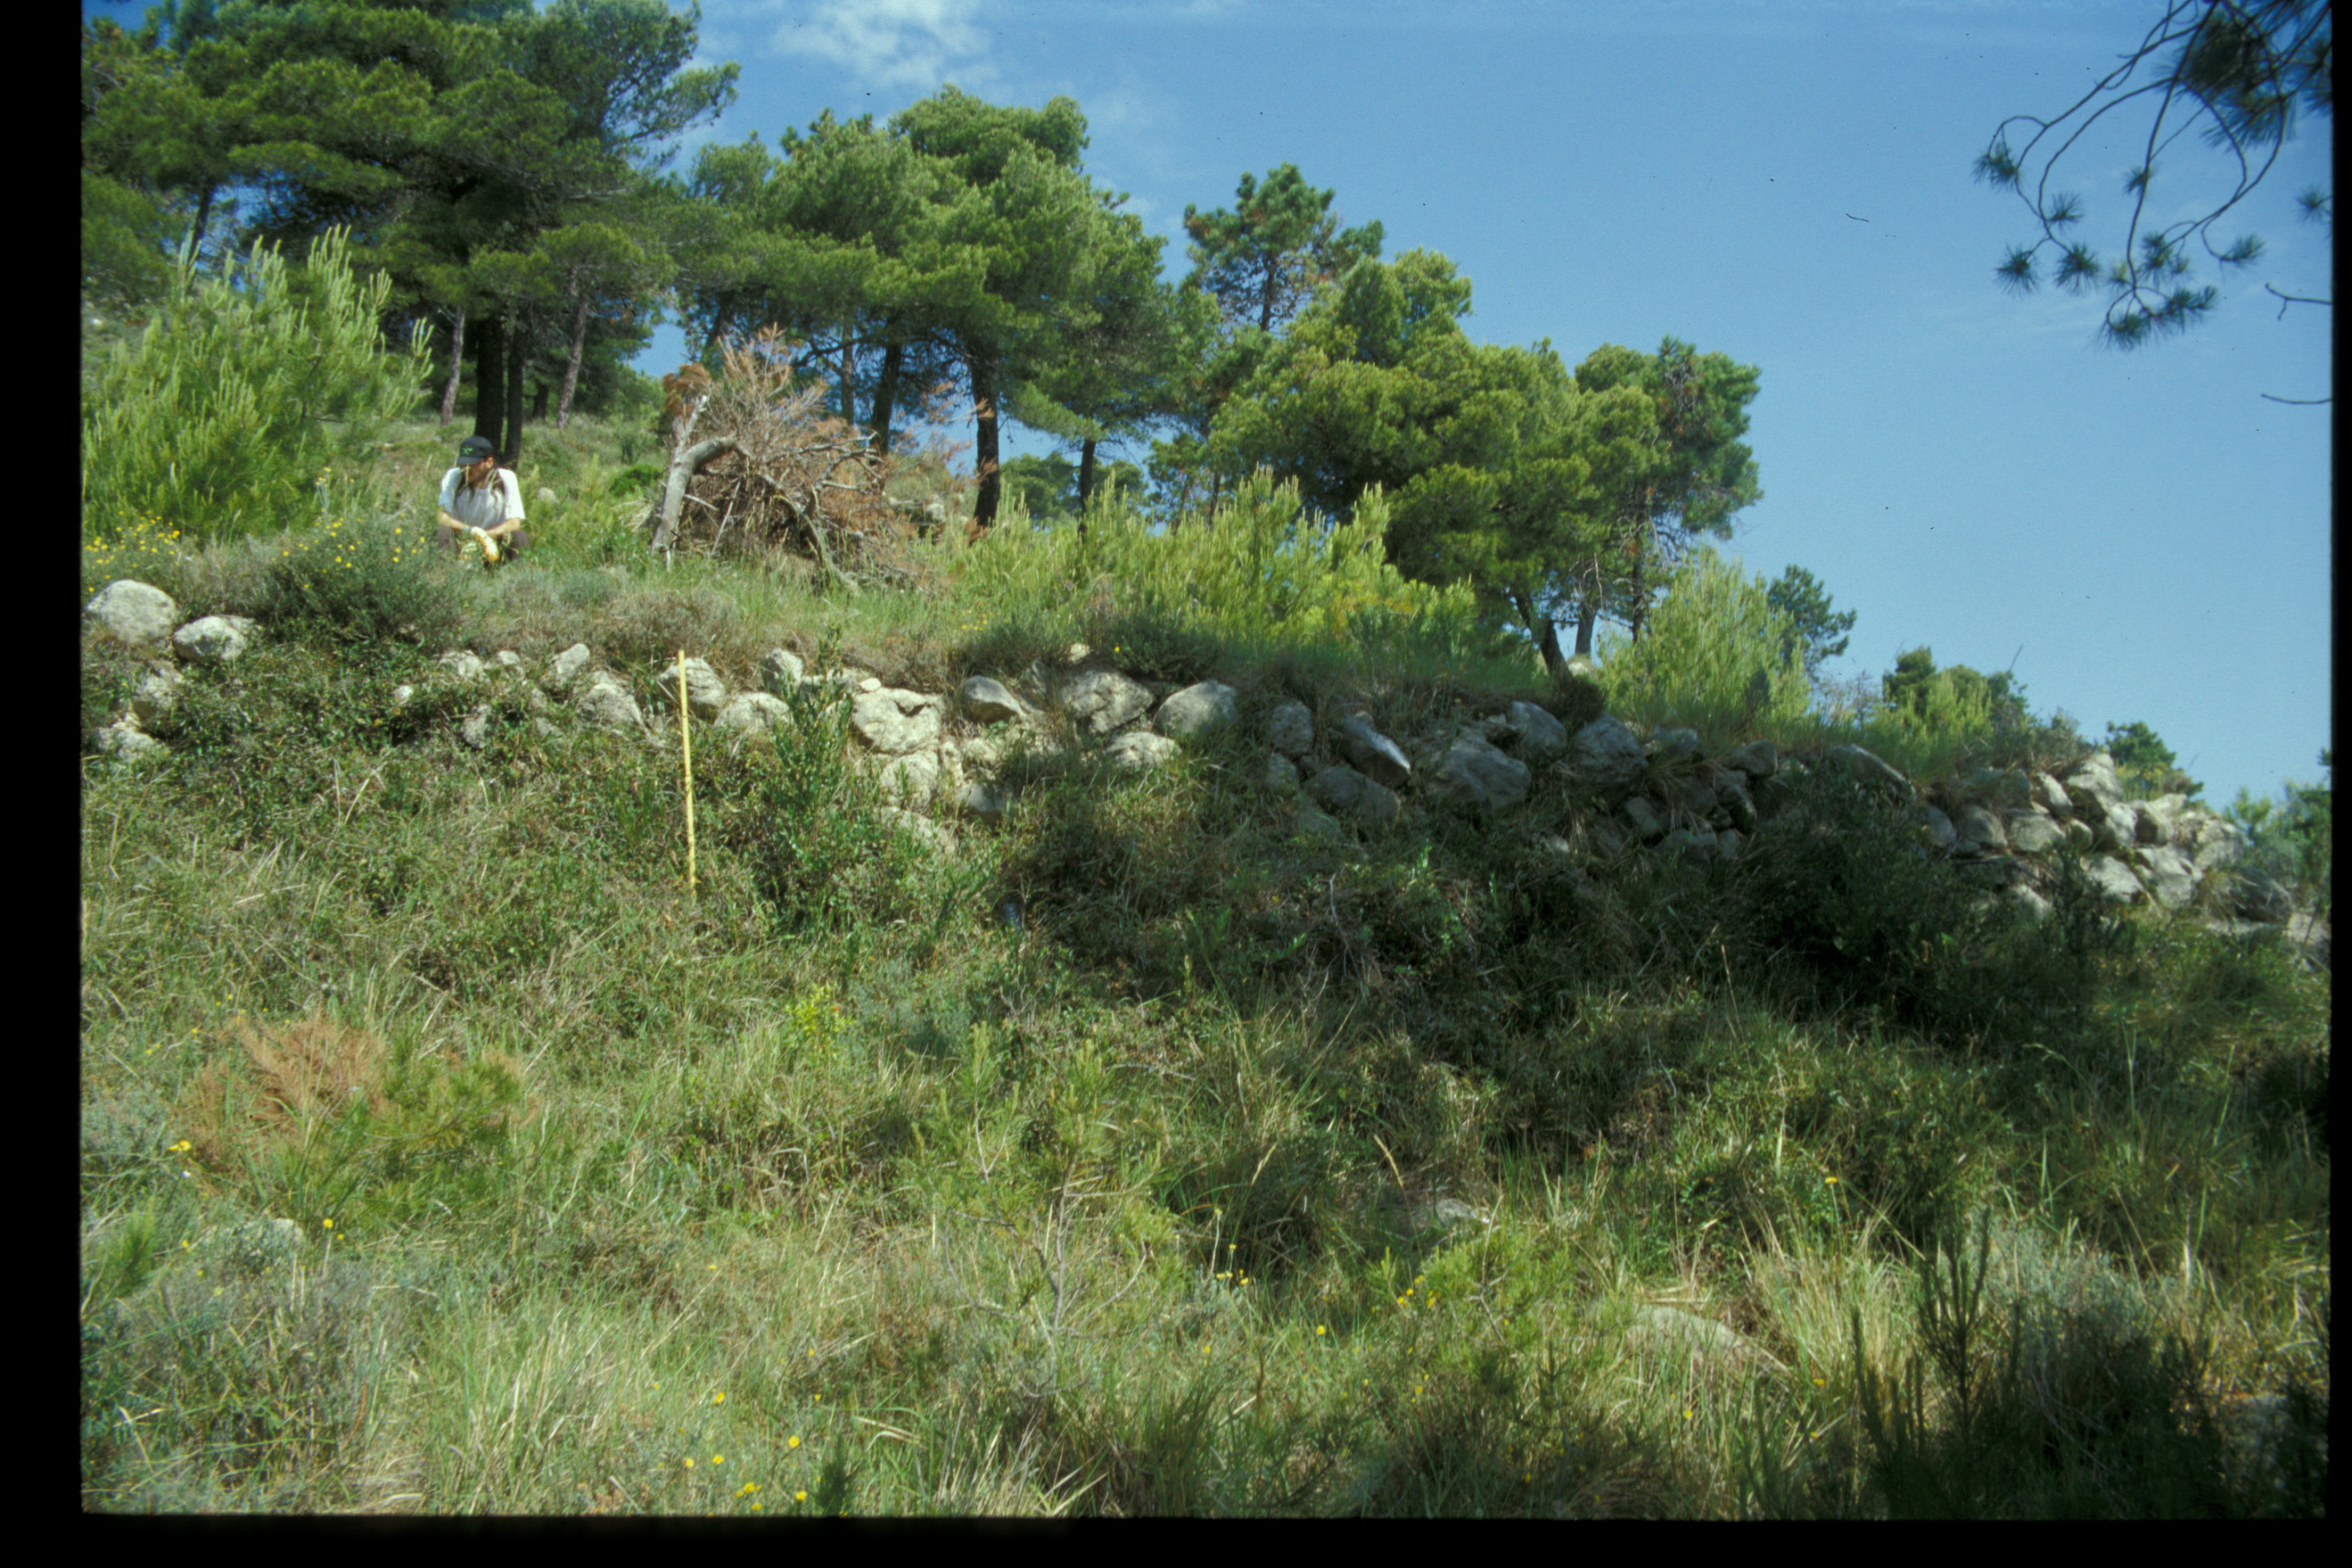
{"x":983,"y":451}
{"x":490,"y":383}
{"x":886,"y":392}
{"x":513,"y":451}
{"x":1586,"y":614}
{"x":456,"y":366}
{"x":848,"y":378}
{"x":1086,"y":478}
{"x":571,"y":366}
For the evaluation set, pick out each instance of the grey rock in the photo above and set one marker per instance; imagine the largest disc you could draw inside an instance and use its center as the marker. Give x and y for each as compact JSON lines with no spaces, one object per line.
{"x":1344,"y":790}
{"x":1980,"y":832}
{"x":2217,"y":843}
{"x":755,"y":713}
{"x":2310,"y":933}
{"x":2031,"y":833}
{"x":1141,"y":748}
{"x":1281,"y":775}
{"x":566,"y":666}
{"x":1474,"y":776}
{"x":506,"y":661}
{"x":1442,"y":1217}
{"x":2113,"y":879}
{"x":1536,"y":736}
{"x":2117,"y":831}
{"x":132,"y":613}
{"x":1197,"y":711}
{"x":2051,"y":797}
{"x":475,"y":731}
{"x":605,"y":704}
{"x":1102,"y":702}
{"x":2036,"y":907}
{"x":1674,"y":746}
{"x":1669,"y":1330}
{"x":981,"y":802}
{"x":1649,"y":823}
{"x":126,"y":743}
{"x":1732,"y":791}
{"x":895,"y":723}
{"x":1290,"y":729}
{"x":157,"y":695}
{"x":988,"y":702}
{"x":1756,"y":759}
{"x":921,"y":829}
{"x":2081,"y":836}
{"x":2256,"y":896}
{"x":781,"y":672}
{"x":1379,"y":759}
{"x":912,"y":781}
{"x":1937,"y":829}
{"x":1696,"y":797}
{"x":2160,"y":820}
{"x":1315,"y":823}
{"x":706,"y":694}
{"x":1607,"y":757}
{"x":462,"y":663}
{"x":215,"y":639}
{"x":1869,"y":770}
{"x":2171,"y":877}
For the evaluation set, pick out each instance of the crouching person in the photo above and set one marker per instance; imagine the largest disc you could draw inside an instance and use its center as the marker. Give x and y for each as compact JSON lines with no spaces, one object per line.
{"x":481,"y":504}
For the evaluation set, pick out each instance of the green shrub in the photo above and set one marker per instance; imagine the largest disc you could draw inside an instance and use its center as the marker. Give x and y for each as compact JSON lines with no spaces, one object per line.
{"x":215,"y":419}
{"x":1716,"y":656}
{"x":353,"y":581}
{"x":1262,"y":570}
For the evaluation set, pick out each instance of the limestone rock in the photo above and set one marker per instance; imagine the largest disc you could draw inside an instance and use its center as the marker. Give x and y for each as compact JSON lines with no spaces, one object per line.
{"x":1696,"y":797}
{"x":126,"y":743}
{"x":475,"y":731}
{"x":755,"y":713}
{"x":1980,"y":832}
{"x":2031,"y":833}
{"x":1281,"y":776}
{"x":1666,"y":1331}
{"x":215,"y":639}
{"x":781,"y":672}
{"x":1197,"y":711}
{"x":2113,"y":879}
{"x":988,"y":702}
{"x":133,"y":613}
{"x":1474,"y":776}
{"x":1607,"y":757}
{"x":157,"y":695}
{"x":1756,"y":759}
{"x":895,"y":723}
{"x":1290,"y":729}
{"x":1733,"y":793}
{"x":1937,"y":830}
{"x":912,"y":781}
{"x":1674,"y":746}
{"x":982,"y":802}
{"x":1869,"y":770}
{"x":2050,"y":796}
{"x":1379,"y":759}
{"x":706,"y":694}
{"x":1141,"y":748}
{"x":921,"y":829}
{"x":1648,"y":823}
{"x":2171,"y":877}
{"x":1535,"y":735}
{"x":605,"y":704}
{"x":1102,"y":702}
{"x":1350,"y":794}
{"x":566,"y":666}
{"x":462,"y":663}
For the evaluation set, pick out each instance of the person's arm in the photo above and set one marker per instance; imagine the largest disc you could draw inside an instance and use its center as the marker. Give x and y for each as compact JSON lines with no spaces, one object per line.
{"x":511,"y":487}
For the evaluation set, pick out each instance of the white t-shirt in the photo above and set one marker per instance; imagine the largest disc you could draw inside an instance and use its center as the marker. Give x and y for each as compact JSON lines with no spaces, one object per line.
{"x":486,"y":507}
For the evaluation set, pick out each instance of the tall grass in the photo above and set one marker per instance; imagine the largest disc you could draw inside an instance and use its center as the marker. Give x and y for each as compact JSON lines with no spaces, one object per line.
{"x":1137,"y":1155}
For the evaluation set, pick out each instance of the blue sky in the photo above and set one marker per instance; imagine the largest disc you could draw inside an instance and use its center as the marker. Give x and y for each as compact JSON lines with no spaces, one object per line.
{"x":2140,"y":537}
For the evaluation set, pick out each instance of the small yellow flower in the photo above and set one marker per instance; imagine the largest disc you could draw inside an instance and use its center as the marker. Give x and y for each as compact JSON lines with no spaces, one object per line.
{"x":792,"y":1442}
{"x":718,"y":1398}
{"x":799,"y":1496}
{"x":690,"y":1464}
{"x":1319,"y":1331}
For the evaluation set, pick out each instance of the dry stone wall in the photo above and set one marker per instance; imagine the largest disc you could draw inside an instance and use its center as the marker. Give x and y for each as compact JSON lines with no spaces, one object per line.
{"x":940,"y":759}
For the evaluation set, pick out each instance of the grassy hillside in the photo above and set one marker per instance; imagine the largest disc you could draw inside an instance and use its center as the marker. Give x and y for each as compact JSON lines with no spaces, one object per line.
{"x":441,"y":1152}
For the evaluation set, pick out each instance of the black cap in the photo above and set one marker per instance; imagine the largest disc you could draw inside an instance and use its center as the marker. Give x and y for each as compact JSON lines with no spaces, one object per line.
{"x":473,"y":450}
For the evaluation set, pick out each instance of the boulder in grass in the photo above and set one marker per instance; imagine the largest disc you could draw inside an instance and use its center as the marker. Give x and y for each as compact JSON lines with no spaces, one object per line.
{"x":215,"y":639}
{"x":134,"y":615}
{"x":1376,"y":756}
{"x":1197,"y":711}
{"x":1290,"y":729}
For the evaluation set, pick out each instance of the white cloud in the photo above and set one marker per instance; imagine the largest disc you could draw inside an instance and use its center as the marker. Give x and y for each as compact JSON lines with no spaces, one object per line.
{"x":898,"y":43}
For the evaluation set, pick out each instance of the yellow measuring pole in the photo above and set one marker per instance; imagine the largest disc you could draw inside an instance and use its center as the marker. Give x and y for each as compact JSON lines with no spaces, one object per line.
{"x":686,"y":764}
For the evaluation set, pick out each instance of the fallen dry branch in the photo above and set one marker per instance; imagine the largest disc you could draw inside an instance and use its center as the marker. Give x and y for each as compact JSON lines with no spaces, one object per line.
{"x":774,"y":475}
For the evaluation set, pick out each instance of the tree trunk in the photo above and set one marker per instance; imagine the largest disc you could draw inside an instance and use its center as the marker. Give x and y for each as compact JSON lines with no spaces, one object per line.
{"x":513,"y":452}
{"x":571,"y":366}
{"x":1586,"y":614}
{"x":490,"y":383}
{"x":456,"y":366}
{"x":848,"y":379}
{"x":885,"y":393}
{"x":682,"y":468}
{"x":983,"y":451}
{"x":1086,"y":478}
